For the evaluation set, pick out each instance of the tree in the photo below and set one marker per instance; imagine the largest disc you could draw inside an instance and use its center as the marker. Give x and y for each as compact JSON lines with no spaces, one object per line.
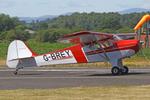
{"x":7,"y":23}
{"x":18,"y":33}
{"x":125,"y":30}
{"x":50,"y":35}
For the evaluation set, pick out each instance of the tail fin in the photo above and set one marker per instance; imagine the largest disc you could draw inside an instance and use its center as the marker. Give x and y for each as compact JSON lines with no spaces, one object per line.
{"x":17,"y":50}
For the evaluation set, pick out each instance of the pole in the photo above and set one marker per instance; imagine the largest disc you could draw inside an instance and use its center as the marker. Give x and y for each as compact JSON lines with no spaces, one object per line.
{"x":148,"y":32}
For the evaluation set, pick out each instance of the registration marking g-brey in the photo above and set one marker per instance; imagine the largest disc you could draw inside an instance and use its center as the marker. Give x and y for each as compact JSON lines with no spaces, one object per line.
{"x":58,"y":55}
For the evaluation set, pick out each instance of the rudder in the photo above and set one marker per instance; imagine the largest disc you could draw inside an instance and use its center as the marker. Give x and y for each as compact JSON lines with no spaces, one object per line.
{"x":17,"y":50}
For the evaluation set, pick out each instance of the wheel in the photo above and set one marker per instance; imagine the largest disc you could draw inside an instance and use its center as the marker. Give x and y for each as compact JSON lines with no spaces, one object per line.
{"x":15,"y":72}
{"x":115,"y":71}
{"x":124,"y":70}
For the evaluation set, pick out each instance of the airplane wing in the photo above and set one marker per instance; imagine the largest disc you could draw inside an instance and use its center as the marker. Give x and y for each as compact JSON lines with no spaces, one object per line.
{"x":85,"y":37}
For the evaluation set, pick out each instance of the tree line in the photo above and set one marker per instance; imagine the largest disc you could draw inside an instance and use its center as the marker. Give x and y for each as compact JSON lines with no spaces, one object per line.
{"x":51,"y":29}
{"x":11,"y":28}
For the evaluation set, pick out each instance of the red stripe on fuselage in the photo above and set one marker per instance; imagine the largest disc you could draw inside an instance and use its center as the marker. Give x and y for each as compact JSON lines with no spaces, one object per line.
{"x":78,"y":54}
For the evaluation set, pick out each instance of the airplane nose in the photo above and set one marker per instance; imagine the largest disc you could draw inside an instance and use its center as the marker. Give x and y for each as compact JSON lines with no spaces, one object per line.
{"x":135,"y":45}
{"x":138,"y":45}
{"x":130,"y":44}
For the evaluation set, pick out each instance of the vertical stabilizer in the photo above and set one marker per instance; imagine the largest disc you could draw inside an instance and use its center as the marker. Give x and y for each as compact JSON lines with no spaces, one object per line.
{"x":17,"y":50}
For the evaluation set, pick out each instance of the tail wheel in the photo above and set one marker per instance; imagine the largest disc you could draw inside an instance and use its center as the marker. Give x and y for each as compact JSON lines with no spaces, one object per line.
{"x":115,"y":71}
{"x":15,"y":73}
{"x":124,"y":70}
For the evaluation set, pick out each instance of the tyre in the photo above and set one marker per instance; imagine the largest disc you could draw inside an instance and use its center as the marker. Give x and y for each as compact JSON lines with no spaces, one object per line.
{"x":115,"y":71}
{"x":125,"y":70}
{"x":15,"y":73}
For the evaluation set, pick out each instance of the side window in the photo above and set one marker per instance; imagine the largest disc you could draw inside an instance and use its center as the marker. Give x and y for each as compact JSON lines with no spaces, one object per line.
{"x":97,"y":46}
{"x":107,"y":43}
{"x":102,"y":44}
{"x":94,"y":46}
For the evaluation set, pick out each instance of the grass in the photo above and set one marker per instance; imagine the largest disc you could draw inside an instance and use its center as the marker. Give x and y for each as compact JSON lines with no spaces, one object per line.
{"x":79,"y":93}
{"x":3,"y":50}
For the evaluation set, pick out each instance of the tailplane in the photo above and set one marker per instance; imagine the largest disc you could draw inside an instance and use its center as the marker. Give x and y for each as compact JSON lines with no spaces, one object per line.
{"x":19,"y":54}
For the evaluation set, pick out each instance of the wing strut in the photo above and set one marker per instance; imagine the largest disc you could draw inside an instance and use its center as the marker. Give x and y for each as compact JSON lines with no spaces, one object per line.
{"x":106,"y":57}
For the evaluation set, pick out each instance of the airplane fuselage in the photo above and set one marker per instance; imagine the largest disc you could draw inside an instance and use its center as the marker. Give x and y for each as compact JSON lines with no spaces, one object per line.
{"x":83,"y":54}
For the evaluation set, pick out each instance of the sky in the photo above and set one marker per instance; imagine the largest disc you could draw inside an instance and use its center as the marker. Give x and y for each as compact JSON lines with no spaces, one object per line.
{"x":36,"y":8}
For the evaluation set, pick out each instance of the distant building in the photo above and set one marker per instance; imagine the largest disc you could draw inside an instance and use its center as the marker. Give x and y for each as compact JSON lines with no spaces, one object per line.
{"x":30,"y":31}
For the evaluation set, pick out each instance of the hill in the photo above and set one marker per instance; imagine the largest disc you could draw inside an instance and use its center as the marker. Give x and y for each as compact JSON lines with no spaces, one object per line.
{"x":134,"y":10}
{"x":41,"y":18}
{"x":45,"y":17}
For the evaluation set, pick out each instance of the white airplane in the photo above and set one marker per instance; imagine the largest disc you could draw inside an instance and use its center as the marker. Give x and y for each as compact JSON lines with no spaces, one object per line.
{"x":89,"y":47}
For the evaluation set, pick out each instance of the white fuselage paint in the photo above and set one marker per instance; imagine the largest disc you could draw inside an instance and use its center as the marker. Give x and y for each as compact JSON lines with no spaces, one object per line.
{"x":61,"y":57}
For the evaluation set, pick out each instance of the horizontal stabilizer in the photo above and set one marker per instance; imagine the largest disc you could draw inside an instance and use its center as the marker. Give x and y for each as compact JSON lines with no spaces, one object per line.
{"x":17,"y":50}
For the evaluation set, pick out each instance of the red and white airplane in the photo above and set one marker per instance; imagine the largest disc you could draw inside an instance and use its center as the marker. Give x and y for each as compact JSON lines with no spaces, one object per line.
{"x":89,"y":47}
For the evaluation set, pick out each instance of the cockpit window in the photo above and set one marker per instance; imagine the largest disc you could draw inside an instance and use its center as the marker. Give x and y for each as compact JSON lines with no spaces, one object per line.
{"x":101,"y":44}
{"x":107,"y":43}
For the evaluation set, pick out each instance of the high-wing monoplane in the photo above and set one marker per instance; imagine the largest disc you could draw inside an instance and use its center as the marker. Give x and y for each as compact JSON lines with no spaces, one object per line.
{"x":88,"y":47}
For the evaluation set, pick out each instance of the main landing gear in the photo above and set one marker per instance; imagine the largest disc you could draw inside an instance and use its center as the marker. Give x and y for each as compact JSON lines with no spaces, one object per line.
{"x":118,"y":71}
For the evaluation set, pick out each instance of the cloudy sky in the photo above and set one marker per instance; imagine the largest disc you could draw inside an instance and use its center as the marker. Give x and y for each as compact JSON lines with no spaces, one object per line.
{"x":34,"y":8}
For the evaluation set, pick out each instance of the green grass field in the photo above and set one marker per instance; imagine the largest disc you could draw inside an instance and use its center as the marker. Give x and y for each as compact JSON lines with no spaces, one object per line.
{"x":79,"y":93}
{"x":3,"y":50}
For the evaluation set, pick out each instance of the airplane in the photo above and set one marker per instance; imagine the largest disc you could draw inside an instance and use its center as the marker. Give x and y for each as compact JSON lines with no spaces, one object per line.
{"x":88,"y":47}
